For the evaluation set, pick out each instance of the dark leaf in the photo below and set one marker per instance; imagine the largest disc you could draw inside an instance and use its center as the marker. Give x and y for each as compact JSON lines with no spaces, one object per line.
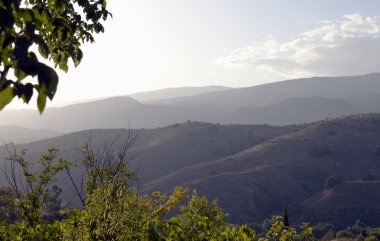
{"x":90,"y":14}
{"x":60,"y":5}
{"x":39,"y":18}
{"x":6,"y":18}
{"x":79,"y":57}
{"x":105,"y":15}
{"x":41,"y":100}
{"x":27,"y":92}
{"x":48,"y":79}
{"x":29,"y":64}
{"x":42,"y":46}
{"x":6,"y":96}
{"x":26,"y":14}
{"x":8,"y":40}
{"x":20,"y":74}
{"x":98,"y":27}
{"x":22,"y":45}
{"x":81,"y":2}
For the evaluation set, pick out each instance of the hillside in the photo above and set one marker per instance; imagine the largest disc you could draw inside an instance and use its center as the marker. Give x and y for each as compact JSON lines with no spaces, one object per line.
{"x":111,"y":113}
{"x":156,"y":95}
{"x":19,"y":134}
{"x":347,"y":202}
{"x":345,"y":87}
{"x":288,"y":102}
{"x":161,"y":151}
{"x":341,"y":196}
{"x":252,"y":169}
{"x":256,"y":182}
{"x":294,"y":110}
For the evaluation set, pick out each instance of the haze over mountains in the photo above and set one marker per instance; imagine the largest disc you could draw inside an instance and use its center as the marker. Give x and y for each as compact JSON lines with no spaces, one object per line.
{"x":169,"y":93}
{"x":252,"y":168}
{"x":19,"y":134}
{"x":287,"y":102}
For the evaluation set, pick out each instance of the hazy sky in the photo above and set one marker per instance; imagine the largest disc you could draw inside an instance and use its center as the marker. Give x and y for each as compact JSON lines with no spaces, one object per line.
{"x":152,"y":44}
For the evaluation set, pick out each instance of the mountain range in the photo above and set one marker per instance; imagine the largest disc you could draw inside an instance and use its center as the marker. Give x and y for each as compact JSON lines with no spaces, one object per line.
{"x":254,"y":148}
{"x":253,"y":170}
{"x":292,"y":168}
{"x":281,"y":103}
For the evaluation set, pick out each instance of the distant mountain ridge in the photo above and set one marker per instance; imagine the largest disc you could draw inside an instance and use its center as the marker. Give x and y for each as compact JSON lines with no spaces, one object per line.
{"x":168,"y":93}
{"x":281,"y":103}
{"x":295,"y":110}
{"x":19,"y":134}
{"x":345,"y":87}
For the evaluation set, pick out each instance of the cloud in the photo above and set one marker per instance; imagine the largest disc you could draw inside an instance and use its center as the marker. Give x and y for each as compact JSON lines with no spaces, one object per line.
{"x":347,"y":46}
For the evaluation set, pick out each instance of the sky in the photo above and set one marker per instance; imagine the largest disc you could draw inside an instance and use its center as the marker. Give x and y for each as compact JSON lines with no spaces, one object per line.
{"x":154,"y":44}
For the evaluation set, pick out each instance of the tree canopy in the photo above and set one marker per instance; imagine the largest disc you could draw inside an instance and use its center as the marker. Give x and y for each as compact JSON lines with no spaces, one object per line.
{"x":57,"y":29}
{"x":113,"y":208}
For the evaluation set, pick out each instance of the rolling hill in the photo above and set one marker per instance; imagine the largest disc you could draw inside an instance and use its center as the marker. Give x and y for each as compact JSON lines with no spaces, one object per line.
{"x":287,"y":102}
{"x":346,"y":87}
{"x":116,"y":112}
{"x":161,"y":151}
{"x":345,"y":203}
{"x":252,"y":169}
{"x":294,"y":110}
{"x":255,"y":183}
{"x":156,"y":95}
{"x":19,"y":134}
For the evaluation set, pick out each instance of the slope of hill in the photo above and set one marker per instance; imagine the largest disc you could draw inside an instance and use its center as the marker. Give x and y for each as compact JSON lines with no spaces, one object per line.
{"x":366,"y":195}
{"x":252,"y":170}
{"x":161,"y":151}
{"x":168,"y":93}
{"x":93,"y":114}
{"x":287,"y":102}
{"x":17,"y":134}
{"x":117,"y":112}
{"x":346,"y":202}
{"x":346,"y":87}
{"x":369,"y":101}
{"x":294,"y":110}
{"x":256,"y":182}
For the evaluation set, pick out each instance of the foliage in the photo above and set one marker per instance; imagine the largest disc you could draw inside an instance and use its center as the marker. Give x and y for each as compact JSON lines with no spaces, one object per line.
{"x":113,"y":209}
{"x":117,"y":213}
{"x":324,"y":231}
{"x":30,"y":189}
{"x":280,"y":232}
{"x":57,"y":28}
{"x":23,"y":232}
{"x":359,"y":231}
{"x":201,"y":219}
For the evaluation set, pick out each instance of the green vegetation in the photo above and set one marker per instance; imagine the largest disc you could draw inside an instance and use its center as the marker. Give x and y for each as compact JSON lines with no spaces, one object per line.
{"x":247,"y":189}
{"x":112,"y":207}
{"x":57,"y":28}
{"x":359,"y":232}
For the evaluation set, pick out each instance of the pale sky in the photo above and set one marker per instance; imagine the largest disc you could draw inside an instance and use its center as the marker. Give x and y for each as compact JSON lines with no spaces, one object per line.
{"x":153,"y":44}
